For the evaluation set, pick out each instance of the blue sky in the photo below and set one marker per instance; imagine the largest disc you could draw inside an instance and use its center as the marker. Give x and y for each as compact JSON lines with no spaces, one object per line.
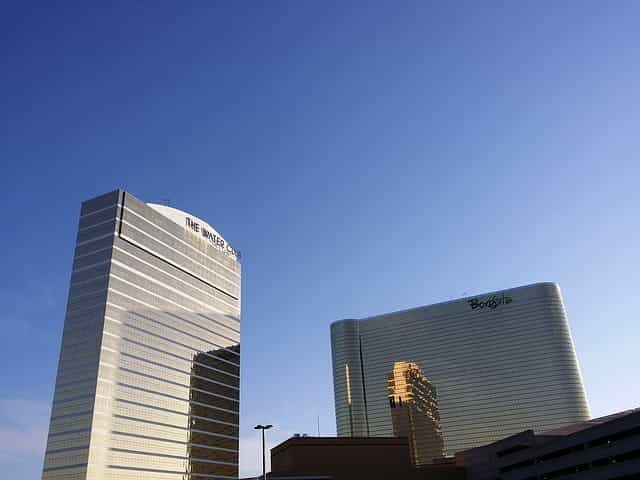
{"x":365,"y":157}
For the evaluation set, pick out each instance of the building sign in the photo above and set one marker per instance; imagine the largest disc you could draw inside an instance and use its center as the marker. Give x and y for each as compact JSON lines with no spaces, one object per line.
{"x":213,"y":238}
{"x":492,"y":302}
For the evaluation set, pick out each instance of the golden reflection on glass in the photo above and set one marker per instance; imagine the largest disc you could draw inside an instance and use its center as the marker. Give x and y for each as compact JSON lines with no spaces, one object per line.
{"x":347,"y":377}
{"x":414,"y":412}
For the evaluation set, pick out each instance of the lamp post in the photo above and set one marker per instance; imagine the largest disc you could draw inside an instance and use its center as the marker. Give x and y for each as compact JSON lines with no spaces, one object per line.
{"x":264,"y":465}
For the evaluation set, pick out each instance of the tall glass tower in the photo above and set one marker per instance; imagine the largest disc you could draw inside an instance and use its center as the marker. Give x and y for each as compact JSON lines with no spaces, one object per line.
{"x":501,"y":362}
{"x":149,"y":370}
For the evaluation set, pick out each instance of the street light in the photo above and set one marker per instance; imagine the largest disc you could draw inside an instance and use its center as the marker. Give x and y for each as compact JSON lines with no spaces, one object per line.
{"x":264,"y":465}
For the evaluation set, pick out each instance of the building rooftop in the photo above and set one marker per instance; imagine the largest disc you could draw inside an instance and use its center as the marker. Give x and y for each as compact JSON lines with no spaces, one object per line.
{"x":577,"y":427}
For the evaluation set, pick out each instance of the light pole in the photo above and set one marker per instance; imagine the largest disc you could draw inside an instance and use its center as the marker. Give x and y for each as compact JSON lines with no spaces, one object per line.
{"x":264,"y":465}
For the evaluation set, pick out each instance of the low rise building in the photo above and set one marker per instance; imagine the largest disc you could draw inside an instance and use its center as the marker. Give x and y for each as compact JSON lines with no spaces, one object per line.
{"x":353,"y":458}
{"x":602,"y":448}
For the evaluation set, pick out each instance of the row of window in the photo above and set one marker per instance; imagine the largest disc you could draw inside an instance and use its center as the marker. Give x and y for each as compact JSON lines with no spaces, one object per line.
{"x":605,"y":440}
{"x":603,"y":462}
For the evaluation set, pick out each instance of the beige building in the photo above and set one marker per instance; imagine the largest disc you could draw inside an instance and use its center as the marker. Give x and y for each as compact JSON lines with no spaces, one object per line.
{"x":148,"y":381}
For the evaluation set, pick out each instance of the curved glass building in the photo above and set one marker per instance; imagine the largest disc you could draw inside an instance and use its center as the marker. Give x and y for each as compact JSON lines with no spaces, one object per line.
{"x":149,"y":371}
{"x":500,"y":363}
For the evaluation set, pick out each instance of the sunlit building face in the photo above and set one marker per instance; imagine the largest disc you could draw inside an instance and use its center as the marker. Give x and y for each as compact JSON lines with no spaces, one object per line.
{"x":468,"y":372}
{"x":149,"y":371}
{"x":414,"y":412}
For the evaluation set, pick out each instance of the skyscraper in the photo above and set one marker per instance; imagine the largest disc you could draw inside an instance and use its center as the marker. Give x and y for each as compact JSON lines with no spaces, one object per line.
{"x":414,"y":412}
{"x":149,"y":370}
{"x":501,"y":362}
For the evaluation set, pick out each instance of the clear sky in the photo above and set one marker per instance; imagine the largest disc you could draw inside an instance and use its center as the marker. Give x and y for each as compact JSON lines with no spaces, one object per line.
{"x":365,"y":157}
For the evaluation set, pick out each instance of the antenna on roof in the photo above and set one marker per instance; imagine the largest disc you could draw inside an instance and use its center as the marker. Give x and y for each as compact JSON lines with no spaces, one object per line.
{"x":166,"y":201}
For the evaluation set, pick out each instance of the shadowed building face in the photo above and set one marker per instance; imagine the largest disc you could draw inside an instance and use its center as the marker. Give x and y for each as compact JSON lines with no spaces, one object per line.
{"x":215,"y":384}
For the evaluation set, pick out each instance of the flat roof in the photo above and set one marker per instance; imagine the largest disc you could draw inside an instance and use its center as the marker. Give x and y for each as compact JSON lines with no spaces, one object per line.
{"x":339,"y":441}
{"x":578,"y":427}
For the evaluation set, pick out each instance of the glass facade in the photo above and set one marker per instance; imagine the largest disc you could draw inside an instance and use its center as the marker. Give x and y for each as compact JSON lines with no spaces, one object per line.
{"x":500,"y":363}
{"x":414,"y":412}
{"x":149,"y":371}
